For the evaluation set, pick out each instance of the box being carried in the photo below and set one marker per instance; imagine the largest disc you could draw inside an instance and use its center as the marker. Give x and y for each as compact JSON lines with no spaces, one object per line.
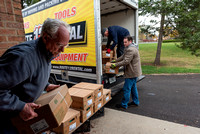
{"x":82,"y":98}
{"x":106,"y":95}
{"x":105,"y":60}
{"x":111,"y":71}
{"x":70,"y":122}
{"x":96,"y":88}
{"x":55,"y":105}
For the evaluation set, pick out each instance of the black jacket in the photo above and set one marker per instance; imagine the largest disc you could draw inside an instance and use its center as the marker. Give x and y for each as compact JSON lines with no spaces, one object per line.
{"x":116,"y":34}
{"x":24,"y":74}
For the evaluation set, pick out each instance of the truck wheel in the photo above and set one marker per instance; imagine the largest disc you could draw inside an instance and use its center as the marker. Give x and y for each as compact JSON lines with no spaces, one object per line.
{"x":52,"y":80}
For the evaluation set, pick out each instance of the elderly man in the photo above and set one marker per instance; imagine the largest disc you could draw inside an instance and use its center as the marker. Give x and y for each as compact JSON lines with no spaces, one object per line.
{"x":25,"y":70}
{"x":115,"y":34}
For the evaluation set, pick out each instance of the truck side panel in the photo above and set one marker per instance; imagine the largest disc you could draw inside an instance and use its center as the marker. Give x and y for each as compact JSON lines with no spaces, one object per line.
{"x":81,"y":55}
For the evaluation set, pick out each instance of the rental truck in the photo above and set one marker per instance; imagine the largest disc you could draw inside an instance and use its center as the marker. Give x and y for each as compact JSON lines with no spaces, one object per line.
{"x":82,"y":60}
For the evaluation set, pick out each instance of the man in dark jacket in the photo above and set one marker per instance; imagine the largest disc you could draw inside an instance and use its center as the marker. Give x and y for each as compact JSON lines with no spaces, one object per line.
{"x":115,"y":34}
{"x":25,"y":70}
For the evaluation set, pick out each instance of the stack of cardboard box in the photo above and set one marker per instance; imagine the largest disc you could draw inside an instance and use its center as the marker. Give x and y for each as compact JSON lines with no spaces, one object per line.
{"x":87,"y":98}
{"x":83,"y":102}
{"x":70,"y":122}
{"x":107,"y":58}
{"x":97,"y":90}
{"x":54,"y":106}
{"x":84,"y":99}
{"x":106,"y":96}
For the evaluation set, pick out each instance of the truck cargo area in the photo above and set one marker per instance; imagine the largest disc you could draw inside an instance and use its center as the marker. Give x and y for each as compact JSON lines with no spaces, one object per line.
{"x":111,"y":12}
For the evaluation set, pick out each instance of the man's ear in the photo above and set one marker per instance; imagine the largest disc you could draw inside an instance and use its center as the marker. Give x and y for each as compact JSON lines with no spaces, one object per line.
{"x":44,"y":38}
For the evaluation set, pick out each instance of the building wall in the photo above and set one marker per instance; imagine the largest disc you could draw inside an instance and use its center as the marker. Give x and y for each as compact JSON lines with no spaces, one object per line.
{"x":11,"y":24}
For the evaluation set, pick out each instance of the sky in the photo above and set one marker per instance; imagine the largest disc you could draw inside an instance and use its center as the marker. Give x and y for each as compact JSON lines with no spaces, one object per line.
{"x":146,"y":20}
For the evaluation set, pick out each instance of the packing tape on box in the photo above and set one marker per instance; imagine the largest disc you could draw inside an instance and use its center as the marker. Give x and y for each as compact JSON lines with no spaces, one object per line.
{"x":63,"y":98}
{"x":75,"y":92}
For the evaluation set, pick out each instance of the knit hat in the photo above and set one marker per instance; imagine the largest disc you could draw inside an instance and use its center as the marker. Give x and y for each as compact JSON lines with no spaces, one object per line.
{"x":103,"y":31}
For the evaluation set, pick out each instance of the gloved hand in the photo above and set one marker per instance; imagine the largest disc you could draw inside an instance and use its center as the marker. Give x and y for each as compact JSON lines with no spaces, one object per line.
{"x":108,"y":50}
{"x":113,"y":61}
{"x":113,"y":66}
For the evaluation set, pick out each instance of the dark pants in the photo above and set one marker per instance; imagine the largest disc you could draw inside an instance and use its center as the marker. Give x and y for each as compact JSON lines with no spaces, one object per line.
{"x":120,"y":49}
{"x":130,"y":88}
{"x":8,"y":131}
{"x":6,"y":127}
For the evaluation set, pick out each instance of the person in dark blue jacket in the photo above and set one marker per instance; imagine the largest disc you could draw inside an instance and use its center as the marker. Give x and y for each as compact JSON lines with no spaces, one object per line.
{"x":25,"y":70}
{"x":115,"y":34}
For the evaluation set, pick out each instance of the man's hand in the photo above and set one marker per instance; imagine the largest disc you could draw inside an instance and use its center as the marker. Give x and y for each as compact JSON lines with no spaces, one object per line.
{"x":113,"y":61}
{"x":52,"y":87}
{"x":28,"y":112}
{"x":113,"y":66}
{"x":108,"y":50}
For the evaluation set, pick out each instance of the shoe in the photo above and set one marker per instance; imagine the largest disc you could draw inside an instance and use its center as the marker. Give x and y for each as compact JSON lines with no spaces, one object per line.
{"x":120,"y":106}
{"x":132,"y":104}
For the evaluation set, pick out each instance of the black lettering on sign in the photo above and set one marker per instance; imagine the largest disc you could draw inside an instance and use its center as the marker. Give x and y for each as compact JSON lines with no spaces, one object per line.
{"x":78,"y":35}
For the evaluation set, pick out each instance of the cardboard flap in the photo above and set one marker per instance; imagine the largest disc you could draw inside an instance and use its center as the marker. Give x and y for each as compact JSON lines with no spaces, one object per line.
{"x":47,"y":97}
{"x":71,"y":113}
{"x":60,"y":96}
{"x":106,"y":91}
{"x":80,"y":92}
{"x":86,"y":85}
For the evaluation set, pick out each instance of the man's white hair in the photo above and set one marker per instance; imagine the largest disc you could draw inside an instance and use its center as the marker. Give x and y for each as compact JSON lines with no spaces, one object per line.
{"x":51,"y":26}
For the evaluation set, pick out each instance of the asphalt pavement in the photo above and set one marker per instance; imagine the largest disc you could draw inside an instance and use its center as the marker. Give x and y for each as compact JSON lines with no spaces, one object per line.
{"x":173,"y":98}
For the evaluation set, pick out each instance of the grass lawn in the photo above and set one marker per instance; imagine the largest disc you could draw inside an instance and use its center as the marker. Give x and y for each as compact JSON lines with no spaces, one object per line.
{"x":173,"y":59}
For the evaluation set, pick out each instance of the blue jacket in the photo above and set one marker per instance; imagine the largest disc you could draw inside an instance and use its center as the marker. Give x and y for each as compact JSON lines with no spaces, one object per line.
{"x":116,"y":34}
{"x":24,"y":74}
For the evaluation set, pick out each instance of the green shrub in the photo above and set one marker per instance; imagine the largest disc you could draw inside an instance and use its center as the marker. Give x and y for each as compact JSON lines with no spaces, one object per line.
{"x":172,"y":40}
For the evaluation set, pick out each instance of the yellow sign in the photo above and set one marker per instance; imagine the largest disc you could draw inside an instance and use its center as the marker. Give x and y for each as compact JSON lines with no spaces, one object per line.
{"x":80,"y":15}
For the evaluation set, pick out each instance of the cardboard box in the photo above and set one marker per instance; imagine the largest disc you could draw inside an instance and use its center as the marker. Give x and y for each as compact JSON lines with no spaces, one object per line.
{"x":105,"y":60}
{"x":106,"y":95}
{"x":107,"y":55}
{"x":111,"y":71}
{"x":96,"y":88}
{"x":70,"y":122}
{"x":98,"y":104}
{"x":86,"y":114}
{"x":55,"y":105}
{"x":81,"y":98}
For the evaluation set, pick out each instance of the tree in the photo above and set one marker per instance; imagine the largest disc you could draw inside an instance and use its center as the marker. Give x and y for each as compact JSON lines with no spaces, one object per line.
{"x":148,"y":31}
{"x":163,"y":8}
{"x":187,"y":19}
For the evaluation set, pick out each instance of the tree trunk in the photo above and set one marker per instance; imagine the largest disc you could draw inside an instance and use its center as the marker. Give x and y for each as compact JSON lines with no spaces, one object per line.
{"x":160,"y":38}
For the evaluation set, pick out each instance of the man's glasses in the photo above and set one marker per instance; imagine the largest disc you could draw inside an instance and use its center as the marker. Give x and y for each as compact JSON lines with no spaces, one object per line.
{"x":61,"y":45}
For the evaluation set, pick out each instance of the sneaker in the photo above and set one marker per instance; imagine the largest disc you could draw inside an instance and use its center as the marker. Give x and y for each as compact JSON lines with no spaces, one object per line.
{"x":132,"y":104}
{"x":120,"y":106}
